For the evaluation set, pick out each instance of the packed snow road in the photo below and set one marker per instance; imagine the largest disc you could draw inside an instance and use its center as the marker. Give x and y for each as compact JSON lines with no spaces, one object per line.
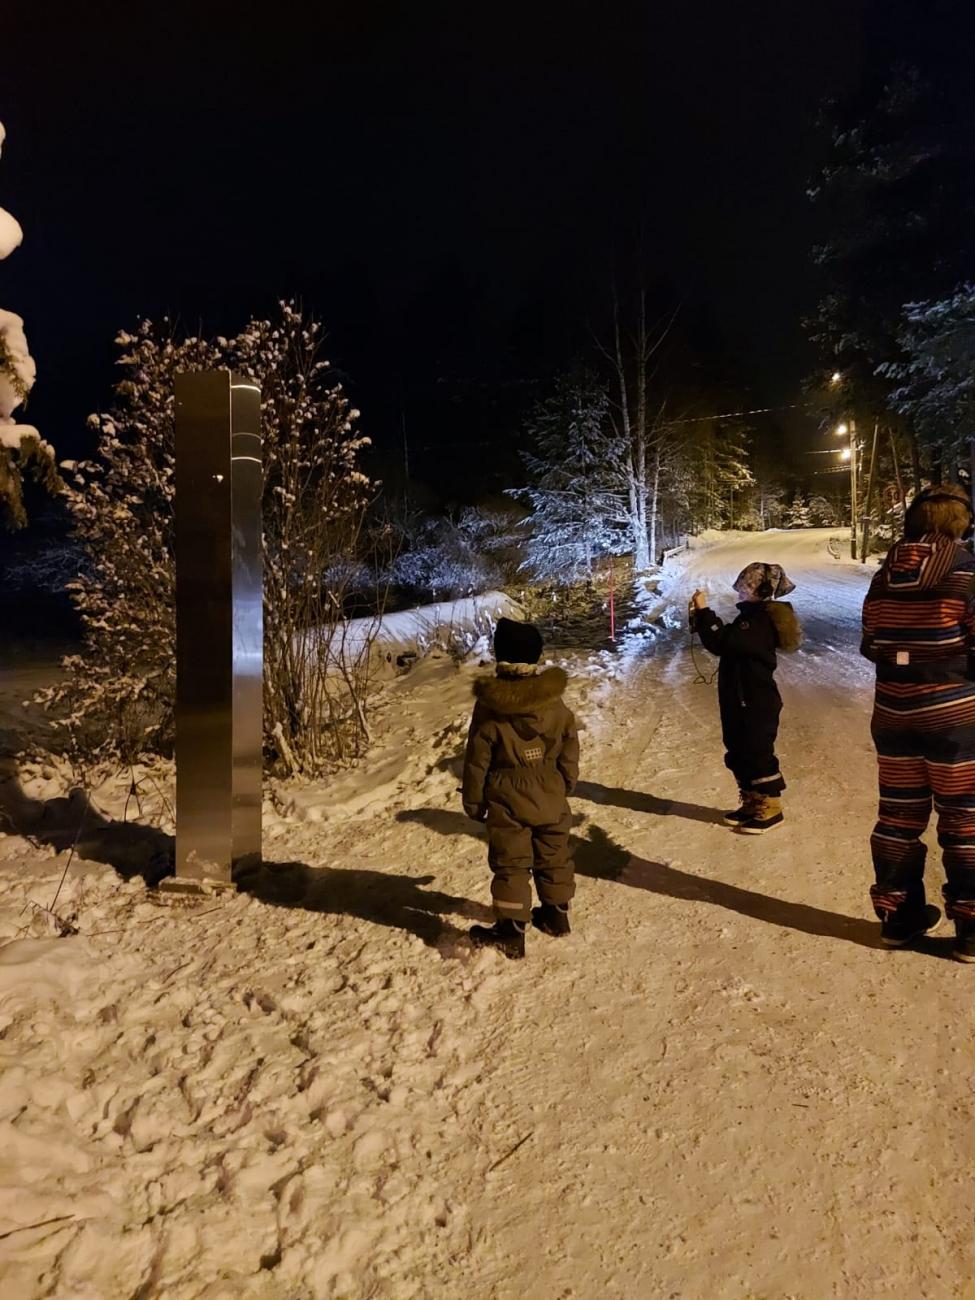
{"x":719,"y":1086}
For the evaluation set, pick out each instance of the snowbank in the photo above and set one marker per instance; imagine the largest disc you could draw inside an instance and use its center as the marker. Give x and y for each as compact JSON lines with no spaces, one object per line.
{"x":448,"y":623}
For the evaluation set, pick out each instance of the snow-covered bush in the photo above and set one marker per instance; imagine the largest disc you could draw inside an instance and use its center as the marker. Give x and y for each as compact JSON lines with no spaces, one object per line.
{"x":823,"y":513}
{"x":118,"y":694}
{"x":474,"y":550}
{"x":47,"y":567}
{"x":22,"y":449}
{"x":798,"y":515}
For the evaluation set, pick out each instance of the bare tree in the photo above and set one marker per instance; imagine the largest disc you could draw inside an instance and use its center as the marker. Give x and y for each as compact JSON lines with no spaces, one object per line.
{"x":644,"y":436}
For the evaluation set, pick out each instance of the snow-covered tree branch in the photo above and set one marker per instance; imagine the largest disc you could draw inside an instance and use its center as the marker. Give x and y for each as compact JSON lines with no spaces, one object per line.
{"x":22,"y":449}
{"x":935,"y":383}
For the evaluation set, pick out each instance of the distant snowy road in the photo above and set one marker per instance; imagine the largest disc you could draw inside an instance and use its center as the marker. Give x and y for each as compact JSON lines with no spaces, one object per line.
{"x":828,"y":595}
{"x":719,"y":1088}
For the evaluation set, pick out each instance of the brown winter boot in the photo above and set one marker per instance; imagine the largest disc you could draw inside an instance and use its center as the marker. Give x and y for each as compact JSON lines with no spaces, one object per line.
{"x":767,"y":813}
{"x":747,"y":806}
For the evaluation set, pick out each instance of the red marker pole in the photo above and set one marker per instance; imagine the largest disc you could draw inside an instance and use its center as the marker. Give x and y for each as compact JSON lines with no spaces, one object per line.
{"x":612,"y":600}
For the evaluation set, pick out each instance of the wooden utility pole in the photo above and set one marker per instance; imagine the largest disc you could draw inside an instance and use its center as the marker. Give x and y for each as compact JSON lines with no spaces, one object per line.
{"x":866,"y":505}
{"x":853,"y":489}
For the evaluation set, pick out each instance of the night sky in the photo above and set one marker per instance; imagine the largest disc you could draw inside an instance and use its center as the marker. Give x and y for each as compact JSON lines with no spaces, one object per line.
{"x":448,"y":186}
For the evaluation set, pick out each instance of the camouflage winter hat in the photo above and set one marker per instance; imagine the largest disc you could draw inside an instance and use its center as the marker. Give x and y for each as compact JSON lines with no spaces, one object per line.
{"x":767,"y":581}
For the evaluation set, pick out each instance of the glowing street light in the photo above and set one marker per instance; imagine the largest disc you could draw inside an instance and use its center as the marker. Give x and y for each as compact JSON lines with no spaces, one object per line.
{"x":842,"y":430}
{"x":845,"y":454}
{"x":836,"y":379}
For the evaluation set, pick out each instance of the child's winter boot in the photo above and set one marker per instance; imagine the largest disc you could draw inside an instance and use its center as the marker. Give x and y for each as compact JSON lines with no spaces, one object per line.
{"x":964,"y":949}
{"x":552,"y":918}
{"x":897,"y":931}
{"x":747,"y":805}
{"x":505,"y":935}
{"x":766,"y":814}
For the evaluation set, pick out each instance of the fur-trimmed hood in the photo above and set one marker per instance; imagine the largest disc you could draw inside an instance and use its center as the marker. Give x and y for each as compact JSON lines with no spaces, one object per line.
{"x":788,"y":633}
{"x":510,"y":696}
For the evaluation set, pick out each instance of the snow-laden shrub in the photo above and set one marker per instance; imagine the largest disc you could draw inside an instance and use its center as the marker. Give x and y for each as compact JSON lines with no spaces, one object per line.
{"x":475,"y":550}
{"x":118,"y":695}
{"x":47,"y":568}
{"x":823,"y":513}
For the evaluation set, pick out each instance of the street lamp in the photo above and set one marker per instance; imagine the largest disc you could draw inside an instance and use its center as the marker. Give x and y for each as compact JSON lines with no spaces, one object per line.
{"x":850,"y":453}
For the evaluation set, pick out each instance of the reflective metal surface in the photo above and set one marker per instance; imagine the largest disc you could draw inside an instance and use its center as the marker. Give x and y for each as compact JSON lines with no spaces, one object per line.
{"x":219,"y":625}
{"x":247,"y":483}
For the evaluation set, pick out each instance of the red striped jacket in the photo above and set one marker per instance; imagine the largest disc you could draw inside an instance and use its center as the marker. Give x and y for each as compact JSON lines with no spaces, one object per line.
{"x":919,"y":614}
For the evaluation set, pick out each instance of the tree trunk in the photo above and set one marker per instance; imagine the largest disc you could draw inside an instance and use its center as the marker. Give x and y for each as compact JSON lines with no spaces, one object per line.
{"x":915,"y":460}
{"x":640,"y":425}
{"x":897,"y":471}
{"x":655,"y":505}
{"x":642,"y":558}
{"x":937,"y":464}
{"x":635,"y":439}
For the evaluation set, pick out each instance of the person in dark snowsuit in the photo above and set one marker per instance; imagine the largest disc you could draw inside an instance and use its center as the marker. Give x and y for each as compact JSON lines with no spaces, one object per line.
{"x":521,"y":764}
{"x":748,"y":697}
{"x":919,"y":630}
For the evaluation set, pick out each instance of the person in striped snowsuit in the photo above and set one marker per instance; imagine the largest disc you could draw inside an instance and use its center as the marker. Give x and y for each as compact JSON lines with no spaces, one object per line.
{"x":919,"y":630}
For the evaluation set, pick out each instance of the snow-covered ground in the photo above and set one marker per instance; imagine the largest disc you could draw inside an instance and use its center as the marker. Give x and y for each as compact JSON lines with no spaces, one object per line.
{"x":717,"y":1087}
{"x":448,"y":623}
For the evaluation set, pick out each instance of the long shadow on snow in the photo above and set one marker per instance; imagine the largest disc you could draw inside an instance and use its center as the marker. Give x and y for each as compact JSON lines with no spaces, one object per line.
{"x":661,"y":878}
{"x":132,"y":849}
{"x":595,"y":855}
{"x":380,"y":897}
{"x":600,"y":857}
{"x":641,"y":801}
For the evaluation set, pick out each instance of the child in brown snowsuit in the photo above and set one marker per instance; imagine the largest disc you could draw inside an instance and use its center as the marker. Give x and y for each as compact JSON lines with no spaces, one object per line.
{"x":522,"y":762}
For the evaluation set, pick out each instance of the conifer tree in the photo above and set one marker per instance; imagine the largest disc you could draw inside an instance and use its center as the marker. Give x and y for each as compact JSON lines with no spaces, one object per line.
{"x":576,"y":484}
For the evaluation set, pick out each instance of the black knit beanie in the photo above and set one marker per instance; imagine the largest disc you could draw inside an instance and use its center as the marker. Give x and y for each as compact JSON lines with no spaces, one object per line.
{"x":517,"y":643}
